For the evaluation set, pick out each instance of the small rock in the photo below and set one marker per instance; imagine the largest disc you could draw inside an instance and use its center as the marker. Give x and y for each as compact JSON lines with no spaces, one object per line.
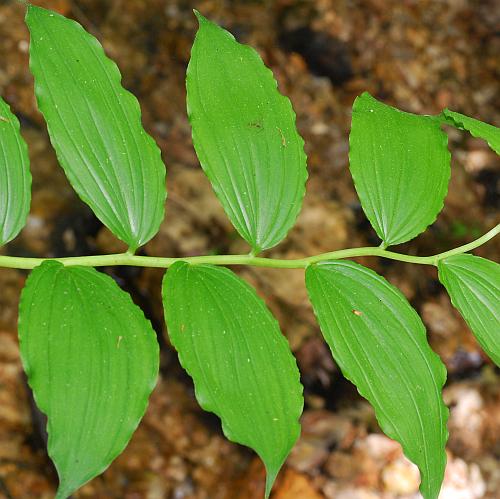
{"x":462,"y":481}
{"x":307,"y":456}
{"x":467,"y":420}
{"x":333,"y":491}
{"x":295,"y":485}
{"x":401,"y":477}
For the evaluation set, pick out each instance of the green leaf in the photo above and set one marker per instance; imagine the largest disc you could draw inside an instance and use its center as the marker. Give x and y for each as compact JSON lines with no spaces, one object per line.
{"x":92,"y":361}
{"x":473,"y":284}
{"x":380,"y":344}
{"x":95,"y":127}
{"x":15,"y":177}
{"x":245,"y":136}
{"x":241,"y":364}
{"x":485,"y":131}
{"x":400,"y":164}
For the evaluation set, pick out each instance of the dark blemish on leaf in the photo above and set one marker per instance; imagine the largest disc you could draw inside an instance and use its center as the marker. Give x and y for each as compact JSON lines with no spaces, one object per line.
{"x":357,"y":312}
{"x":257,"y":125}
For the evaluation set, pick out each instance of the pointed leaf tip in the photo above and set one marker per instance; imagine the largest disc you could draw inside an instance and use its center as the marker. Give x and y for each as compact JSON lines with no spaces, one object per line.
{"x":199,"y":16}
{"x":32,"y":9}
{"x":271,"y":475}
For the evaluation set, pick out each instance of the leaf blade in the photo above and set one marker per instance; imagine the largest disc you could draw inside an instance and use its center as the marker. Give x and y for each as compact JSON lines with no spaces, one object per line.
{"x":473,"y":284}
{"x":242,"y":367}
{"x":15,"y":184}
{"x":400,"y":165}
{"x":95,"y":127}
{"x":245,"y":137}
{"x":379,"y":342}
{"x":477,"y":128}
{"x":77,"y":352}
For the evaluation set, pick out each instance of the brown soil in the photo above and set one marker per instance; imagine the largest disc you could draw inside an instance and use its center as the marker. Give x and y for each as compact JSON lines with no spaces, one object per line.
{"x":418,"y":55}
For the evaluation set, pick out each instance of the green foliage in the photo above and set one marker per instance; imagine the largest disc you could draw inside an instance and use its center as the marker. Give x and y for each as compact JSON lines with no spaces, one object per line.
{"x":245,"y":137}
{"x":15,"y":177}
{"x":90,"y":355}
{"x":91,"y":359}
{"x":401,"y":167}
{"x":473,"y":284}
{"x":380,"y":344}
{"x":95,"y":127}
{"x":241,"y":364}
{"x":477,"y":128}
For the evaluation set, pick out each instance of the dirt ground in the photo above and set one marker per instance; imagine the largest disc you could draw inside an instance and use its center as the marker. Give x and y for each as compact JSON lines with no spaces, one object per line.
{"x":418,"y":55}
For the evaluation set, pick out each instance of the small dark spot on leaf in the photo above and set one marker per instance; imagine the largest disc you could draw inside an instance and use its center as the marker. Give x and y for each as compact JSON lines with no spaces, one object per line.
{"x":257,"y":125}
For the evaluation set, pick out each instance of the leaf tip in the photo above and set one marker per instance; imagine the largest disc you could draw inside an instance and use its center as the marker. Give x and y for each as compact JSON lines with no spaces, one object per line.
{"x":29,"y":12}
{"x":271,"y":474}
{"x":430,"y":489}
{"x":201,"y":19}
{"x":207,"y":26}
{"x":64,"y":490}
{"x":36,"y":16}
{"x":273,"y":465}
{"x":364,"y":96}
{"x":33,"y":10}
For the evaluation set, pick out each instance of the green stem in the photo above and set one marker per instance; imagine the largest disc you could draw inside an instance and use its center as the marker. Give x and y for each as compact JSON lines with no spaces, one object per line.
{"x":130,"y":259}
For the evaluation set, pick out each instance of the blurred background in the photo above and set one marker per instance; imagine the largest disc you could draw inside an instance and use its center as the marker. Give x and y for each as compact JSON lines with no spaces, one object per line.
{"x":420,"y":56}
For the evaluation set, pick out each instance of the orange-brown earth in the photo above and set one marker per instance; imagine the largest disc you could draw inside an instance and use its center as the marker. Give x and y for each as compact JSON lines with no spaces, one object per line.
{"x":418,"y":55}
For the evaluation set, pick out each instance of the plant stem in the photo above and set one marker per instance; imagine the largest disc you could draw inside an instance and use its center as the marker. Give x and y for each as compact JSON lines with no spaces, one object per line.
{"x":129,"y":259}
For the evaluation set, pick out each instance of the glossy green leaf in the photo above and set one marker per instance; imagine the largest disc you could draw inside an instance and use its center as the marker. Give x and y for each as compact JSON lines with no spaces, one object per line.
{"x":95,"y":127}
{"x":15,"y":177}
{"x":400,"y":164}
{"x":485,"y":131}
{"x":241,"y":364}
{"x":92,"y":361}
{"x":473,"y":284}
{"x":380,"y":344}
{"x":245,"y":136}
